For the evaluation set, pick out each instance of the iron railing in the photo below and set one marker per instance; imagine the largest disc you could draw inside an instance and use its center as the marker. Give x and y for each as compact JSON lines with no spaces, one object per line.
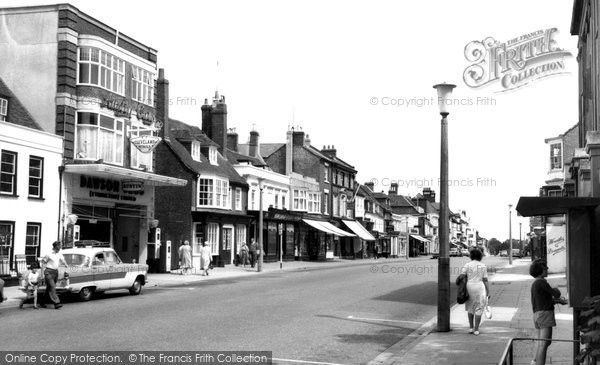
{"x":508,"y":354}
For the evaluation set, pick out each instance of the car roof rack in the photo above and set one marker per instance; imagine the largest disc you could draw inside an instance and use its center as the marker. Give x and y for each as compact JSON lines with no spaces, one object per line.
{"x":91,"y":243}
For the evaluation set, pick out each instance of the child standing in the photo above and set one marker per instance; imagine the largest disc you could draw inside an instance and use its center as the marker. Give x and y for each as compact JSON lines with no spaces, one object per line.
{"x":32,"y":283}
{"x":543,"y":298}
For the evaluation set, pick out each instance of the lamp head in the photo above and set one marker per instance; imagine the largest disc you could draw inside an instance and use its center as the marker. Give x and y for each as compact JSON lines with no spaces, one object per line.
{"x":444,"y":92}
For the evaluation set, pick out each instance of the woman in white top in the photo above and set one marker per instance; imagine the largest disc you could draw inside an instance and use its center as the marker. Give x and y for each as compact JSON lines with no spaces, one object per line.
{"x":477,"y":287}
{"x":51,"y":262}
{"x":205,"y":258}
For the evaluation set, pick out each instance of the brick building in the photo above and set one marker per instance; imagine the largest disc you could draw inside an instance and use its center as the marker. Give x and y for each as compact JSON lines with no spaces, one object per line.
{"x":94,"y":86}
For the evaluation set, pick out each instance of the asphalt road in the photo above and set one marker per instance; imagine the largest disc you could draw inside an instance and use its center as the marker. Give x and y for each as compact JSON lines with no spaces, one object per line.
{"x":345,"y":315}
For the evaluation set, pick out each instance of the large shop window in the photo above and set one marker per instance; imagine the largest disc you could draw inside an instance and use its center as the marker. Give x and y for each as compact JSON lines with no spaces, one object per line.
{"x":139,"y":159}
{"x":299,"y":200}
{"x":36,"y":176}
{"x":7,"y":231}
{"x":3,"y":109}
{"x":100,"y":68}
{"x":99,"y":137}
{"x":8,"y":173}
{"x":212,"y":236}
{"x":32,"y":242}
{"x":214,"y":192}
{"x":142,"y":86}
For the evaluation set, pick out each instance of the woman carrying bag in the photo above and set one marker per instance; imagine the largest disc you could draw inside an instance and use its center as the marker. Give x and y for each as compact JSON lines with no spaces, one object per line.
{"x":478,"y":289}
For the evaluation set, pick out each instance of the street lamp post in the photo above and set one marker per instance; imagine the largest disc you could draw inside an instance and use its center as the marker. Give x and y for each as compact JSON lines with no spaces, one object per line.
{"x":444,"y":92}
{"x":509,"y":234}
{"x":520,"y":238}
{"x":260,"y":226}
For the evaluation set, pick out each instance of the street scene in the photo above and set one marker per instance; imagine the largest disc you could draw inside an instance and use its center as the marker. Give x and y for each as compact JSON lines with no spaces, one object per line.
{"x":299,"y":182}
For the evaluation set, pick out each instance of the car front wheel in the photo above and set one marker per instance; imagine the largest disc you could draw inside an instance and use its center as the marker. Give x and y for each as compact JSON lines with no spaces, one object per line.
{"x":136,"y":288}
{"x":86,"y":294}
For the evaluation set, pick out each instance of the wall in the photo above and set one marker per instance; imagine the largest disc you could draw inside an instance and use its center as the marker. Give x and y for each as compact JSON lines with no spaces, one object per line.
{"x":28,"y":61}
{"x":21,"y":209}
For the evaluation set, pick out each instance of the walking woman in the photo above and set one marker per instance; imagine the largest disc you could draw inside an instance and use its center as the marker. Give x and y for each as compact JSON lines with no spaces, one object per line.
{"x":205,"y":258}
{"x":477,"y":287}
{"x":185,"y":257}
{"x":51,"y":262}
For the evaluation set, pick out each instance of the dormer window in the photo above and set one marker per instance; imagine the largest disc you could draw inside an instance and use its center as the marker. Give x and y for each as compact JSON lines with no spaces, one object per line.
{"x":556,"y":156}
{"x":196,"y":151}
{"x":212,"y":155}
{"x":3,"y":109}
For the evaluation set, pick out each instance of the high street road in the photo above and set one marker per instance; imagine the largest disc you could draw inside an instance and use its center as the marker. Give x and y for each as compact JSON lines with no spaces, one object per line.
{"x":337,"y":315}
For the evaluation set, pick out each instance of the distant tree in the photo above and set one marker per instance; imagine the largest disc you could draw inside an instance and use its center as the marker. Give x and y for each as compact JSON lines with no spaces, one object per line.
{"x":494,"y":246}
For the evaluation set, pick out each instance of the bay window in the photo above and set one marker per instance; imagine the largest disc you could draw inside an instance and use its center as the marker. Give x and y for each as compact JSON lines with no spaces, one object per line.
{"x":99,"y":137}
{"x":100,"y":68}
{"x":142,"y":86}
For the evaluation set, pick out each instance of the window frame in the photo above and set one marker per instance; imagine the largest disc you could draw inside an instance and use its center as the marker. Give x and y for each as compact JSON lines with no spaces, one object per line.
{"x":142,"y":90}
{"x":216,"y":193}
{"x":212,"y":236}
{"x":13,"y":174}
{"x":195,"y":151}
{"x":3,"y":109}
{"x":113,"y":75}
{"x":118,"y":137}
{"x":238,"y":199}
{"x":10,"y":246}
{"x":556,"y":161}
{"x":40,"y":179}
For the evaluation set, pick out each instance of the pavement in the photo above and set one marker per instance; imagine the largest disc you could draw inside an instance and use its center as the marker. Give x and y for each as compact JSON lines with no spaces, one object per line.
{"x":510,"y":302}
{"x":511,"y":317}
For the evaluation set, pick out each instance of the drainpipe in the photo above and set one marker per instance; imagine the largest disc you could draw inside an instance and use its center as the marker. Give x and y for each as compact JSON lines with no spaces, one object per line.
{"x":61,"y":169}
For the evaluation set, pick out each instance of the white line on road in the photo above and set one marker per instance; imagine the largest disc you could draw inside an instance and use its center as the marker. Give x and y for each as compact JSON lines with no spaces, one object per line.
{"x":306,"y":362}
{"x":383,"y":320}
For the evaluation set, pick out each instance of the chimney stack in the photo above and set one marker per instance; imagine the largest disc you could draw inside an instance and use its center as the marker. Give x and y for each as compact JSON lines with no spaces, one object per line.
{"x":289,"y":151}
{"x":429,"y":195}
{"x":393,"y":189}
{"x":329,"y":151}
{"x":298,"y":138}
{"x":253,"y":145}
{"x":214,"y":121}
{"x":162,"y":103}
{"x":370,"y":185}
{"x":232,"y":140}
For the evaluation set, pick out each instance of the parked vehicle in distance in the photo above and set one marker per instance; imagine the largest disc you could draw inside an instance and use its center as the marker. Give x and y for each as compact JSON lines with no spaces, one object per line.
{"x":96,"y":269}
{"x":504,"y":253}
{"x":516,"y":253}
{"x":454,"y":252}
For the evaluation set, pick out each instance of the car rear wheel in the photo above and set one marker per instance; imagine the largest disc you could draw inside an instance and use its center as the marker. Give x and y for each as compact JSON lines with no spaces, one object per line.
{"x":85,"y":294}
{"x":136,"y":288}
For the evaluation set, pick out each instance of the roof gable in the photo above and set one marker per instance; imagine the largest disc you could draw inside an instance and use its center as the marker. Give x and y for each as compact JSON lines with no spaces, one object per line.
{"x":16,"y":112}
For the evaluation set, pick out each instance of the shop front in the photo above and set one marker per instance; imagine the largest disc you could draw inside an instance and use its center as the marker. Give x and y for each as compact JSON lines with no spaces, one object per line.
{"x":112,"y":205}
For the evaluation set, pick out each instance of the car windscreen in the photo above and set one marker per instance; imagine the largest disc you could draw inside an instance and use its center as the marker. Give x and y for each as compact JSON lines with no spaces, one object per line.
{"x":75,"y":259}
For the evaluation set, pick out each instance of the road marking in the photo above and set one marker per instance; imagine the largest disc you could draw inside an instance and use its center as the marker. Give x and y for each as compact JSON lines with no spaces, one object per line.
{"x":306,"y":362}
{"x":383,"y":320}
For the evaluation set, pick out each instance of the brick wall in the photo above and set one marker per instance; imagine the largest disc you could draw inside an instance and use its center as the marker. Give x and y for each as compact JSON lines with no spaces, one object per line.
{"x":277,"y":161}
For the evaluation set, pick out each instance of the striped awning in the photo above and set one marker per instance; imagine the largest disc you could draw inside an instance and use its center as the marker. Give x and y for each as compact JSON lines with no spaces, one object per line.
{"x":327,"y":228}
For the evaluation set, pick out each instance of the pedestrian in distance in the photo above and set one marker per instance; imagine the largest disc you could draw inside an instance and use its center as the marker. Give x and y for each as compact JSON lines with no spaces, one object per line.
{"x":51,"y":262}
{"x":185,"y":258}
{"x":244,"y":254}
{"x":376,"y":251}
{"x":31,"y":283}
{"x":543,"y":298}
{"x":478,"y":288}
{"x":2,"y":298}
{"x":252,"y":250}
{"x":205,"y":258}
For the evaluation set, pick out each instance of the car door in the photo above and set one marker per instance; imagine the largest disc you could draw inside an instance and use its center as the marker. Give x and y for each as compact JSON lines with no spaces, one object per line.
{"x":101,"y":272}
{"x":117,"y":270}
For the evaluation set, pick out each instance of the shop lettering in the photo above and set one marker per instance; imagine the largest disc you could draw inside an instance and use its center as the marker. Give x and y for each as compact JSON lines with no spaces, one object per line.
{"x":97,"y":183}
{"x":97,"y":194}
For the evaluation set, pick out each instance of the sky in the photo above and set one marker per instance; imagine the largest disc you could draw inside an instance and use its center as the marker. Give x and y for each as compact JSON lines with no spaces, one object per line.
{"x":334,"y":68}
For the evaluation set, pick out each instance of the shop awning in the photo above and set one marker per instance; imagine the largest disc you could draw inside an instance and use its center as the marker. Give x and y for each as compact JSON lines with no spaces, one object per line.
{"x":359,"y":230}
{"x":533,"y":206}
{"x":420,"y":238}
{"x":108,"y":171}
{"x":327,"y":228}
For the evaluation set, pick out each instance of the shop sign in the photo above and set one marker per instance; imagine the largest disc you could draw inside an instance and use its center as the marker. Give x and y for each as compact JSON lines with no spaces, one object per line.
{"x":132,"y":186}
{"x":97,"y":187}
{"x":124,"y":108}
{"x":145,"y":144}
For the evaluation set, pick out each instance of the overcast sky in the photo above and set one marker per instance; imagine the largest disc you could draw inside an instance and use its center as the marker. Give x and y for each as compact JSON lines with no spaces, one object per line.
{"x":320,"y":65}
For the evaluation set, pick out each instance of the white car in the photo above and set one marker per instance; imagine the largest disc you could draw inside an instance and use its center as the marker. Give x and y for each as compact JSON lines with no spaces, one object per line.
{"x":98,"y":269}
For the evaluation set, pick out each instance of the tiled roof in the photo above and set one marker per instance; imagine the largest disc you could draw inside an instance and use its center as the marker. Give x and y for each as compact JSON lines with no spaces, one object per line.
{"x":179,"y":132}
{"x":17,"y":113}
{"x":236,"y":157}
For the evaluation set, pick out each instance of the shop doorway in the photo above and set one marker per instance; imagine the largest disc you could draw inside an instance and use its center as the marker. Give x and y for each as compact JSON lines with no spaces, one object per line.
{"x":127,"y":238}
{"x":94,"y":229}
